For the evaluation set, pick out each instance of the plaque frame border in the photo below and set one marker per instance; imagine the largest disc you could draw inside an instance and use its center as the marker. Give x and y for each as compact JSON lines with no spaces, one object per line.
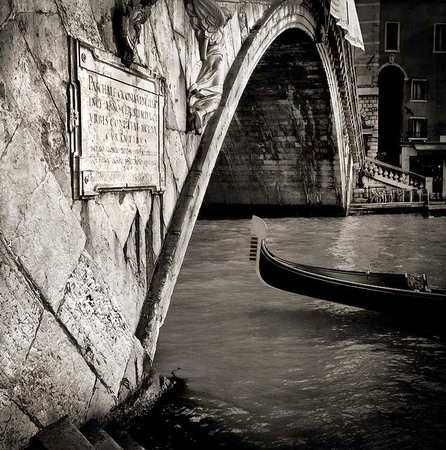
{"x":74,"y":118}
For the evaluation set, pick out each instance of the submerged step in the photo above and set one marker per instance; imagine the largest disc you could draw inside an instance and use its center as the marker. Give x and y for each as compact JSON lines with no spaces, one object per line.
{"x":127,"y":442}
{"x":100,"y":439}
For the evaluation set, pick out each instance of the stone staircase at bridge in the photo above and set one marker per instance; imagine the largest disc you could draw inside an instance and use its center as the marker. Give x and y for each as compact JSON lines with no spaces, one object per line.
{"x":63,"y":435}
{"x":383,"y":174}
{"x":389,"y":188}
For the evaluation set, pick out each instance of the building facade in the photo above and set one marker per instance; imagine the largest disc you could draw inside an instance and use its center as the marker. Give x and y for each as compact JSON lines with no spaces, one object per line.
{"x":402,"y":85}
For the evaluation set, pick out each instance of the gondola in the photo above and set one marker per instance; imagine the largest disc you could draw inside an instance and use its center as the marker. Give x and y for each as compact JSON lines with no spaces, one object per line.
{"x":401,"y":294}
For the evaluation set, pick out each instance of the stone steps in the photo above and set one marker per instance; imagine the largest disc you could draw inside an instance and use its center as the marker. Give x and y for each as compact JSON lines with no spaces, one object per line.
{"x":387,"y":175}
{"x":63,"y":435}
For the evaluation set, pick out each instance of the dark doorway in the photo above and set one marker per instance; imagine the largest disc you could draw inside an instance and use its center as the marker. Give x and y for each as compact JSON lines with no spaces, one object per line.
{"x":390,"y":115}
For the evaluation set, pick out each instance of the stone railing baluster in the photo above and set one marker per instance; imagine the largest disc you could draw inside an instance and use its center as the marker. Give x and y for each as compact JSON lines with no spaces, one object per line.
{"x":375,"y":167}
{"x":408,"y":186}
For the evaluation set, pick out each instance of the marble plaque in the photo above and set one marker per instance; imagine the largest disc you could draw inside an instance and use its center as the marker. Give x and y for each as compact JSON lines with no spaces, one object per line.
{"x":116,"y":124}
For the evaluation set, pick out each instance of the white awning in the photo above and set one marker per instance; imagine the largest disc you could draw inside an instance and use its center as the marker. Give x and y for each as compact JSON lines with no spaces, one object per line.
{"x":344,"y":11}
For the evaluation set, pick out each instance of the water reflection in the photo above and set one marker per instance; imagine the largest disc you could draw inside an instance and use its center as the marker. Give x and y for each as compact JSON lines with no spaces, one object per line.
{"x":406,"y":243}
{"x":280,"y":370}
{"x":347,"y":245}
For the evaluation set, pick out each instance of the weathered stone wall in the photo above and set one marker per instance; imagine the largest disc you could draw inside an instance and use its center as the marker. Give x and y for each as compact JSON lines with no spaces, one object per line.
{"x":74,"y":274}
{"x":368,"y":105}
{"x":280,"y":147}
{"x":86,"y":284}
{"x":369,"y":110}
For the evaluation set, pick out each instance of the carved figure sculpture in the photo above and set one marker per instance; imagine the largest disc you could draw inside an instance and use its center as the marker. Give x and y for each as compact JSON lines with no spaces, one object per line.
{"x":134,"y":14}
{"x":208,"y":20}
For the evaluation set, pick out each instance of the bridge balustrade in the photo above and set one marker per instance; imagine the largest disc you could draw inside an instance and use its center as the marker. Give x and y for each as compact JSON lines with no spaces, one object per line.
{"x":386,"y":172}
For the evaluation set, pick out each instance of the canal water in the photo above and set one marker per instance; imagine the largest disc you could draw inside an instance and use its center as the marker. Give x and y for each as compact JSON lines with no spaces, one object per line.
{"x":266,"y":369}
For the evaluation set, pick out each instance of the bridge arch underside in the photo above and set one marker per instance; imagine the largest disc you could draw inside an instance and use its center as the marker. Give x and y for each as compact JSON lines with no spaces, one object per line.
{"x":279,"y":154}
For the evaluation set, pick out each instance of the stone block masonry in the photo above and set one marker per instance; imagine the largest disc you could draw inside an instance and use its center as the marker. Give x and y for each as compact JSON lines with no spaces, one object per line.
{"x":85,"y":282}
{"x":74,"y":274}
{"x":280,"y":147}
{"x":369,"y":110}
{"x":368,"y":105}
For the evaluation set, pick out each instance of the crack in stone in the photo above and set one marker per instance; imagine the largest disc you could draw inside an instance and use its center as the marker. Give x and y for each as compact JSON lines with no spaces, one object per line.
{"x":135,"y":361}
{"x":60,"y":18}
{"x":114,"y":232}
{"x":16,"y":234}
{"x":182,"y":147}
{"x":91,"y":398}
{"x":47,"y":306}
{"x":31,"y":285}
{"x":154,"y":41}
{"x":62,"y":302}
{"x":34,"y":338}
{"x":174,"y":129}
{"x":10,"y":16}
{"x":44,"y":83}
{"x":10,"y":140}
{"x":32,"y":418}
{"x":183,"y":73}
{"x":173,"y":173}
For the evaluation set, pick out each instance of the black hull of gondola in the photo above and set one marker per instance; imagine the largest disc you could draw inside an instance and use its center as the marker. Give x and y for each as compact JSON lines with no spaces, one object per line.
{"x":403,"y":295}
{"x":418,"y":305}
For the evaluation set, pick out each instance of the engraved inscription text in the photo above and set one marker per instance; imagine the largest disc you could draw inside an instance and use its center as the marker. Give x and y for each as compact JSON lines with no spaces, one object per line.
{"x":121,"y":128}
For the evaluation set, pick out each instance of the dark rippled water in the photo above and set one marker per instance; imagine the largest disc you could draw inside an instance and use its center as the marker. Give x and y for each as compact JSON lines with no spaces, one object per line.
{"x":269,"y":369}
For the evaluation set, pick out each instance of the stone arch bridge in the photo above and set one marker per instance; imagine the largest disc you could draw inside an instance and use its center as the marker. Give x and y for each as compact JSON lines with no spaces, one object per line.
{"x":86,"y":276}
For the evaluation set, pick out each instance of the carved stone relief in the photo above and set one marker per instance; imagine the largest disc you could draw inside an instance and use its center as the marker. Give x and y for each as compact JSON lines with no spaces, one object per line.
{"x":208,"y":21}
{"x":134,"y":13}
{"x":322,"y":35}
